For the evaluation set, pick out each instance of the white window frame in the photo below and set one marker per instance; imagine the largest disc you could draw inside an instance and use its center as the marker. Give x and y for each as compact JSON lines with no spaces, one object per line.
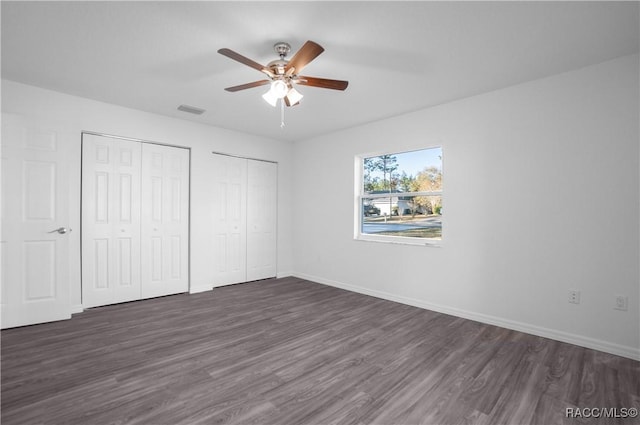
{"x":360,"y":195}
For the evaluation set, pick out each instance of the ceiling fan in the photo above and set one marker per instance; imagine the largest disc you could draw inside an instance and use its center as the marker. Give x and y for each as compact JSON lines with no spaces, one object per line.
{"x":283,"y":74}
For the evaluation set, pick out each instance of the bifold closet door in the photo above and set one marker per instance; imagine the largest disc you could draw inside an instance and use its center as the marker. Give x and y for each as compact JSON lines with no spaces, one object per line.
{"x":110,"y":220}
{"x":165,"y":220}
{"x":135,"y":220}
{"x":229,"y":214}
{"x":261,"y":219}
{"x":244,"y":195}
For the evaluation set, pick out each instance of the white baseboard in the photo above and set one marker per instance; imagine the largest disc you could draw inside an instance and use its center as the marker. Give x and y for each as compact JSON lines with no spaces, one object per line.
{"x":199,"y":288}
{"x":194,"y":289}
{"x":78,"y":308}
{"x":582,"y":341}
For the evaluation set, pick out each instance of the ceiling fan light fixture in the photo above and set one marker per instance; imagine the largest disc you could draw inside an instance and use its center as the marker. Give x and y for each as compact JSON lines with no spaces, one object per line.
{"x":270,"y":98}
{"x":294,"y":96}
{"x":279,"y":89}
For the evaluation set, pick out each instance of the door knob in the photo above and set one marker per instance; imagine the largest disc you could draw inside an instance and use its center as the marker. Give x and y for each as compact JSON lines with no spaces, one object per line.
{"x":61,"y":230}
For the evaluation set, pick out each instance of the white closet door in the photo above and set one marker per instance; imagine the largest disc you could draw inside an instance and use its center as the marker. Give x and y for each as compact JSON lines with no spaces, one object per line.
{"x":35,"y":262}
{"x":165,"y":220}
{"x":229,"y":187}
{"x":261,"y":219}
{"x":110,"y":220}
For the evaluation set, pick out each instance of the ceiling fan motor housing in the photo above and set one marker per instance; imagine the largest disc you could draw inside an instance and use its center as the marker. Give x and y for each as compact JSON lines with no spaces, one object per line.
{"x":277,"y":66}
{"x":282,"y":49}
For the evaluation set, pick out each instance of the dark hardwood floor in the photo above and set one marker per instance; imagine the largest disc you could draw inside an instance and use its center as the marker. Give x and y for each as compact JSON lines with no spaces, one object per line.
{"x":289,"y":351}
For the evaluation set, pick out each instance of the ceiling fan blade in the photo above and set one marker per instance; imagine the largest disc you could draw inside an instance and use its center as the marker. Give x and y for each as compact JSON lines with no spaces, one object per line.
{"x":306,"y":54}
{"x":244,"y":60}
{"x":248,"y":85}
{"x":322,"y":82}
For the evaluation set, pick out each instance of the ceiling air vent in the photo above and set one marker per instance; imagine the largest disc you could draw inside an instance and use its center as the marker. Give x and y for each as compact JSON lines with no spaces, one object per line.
{"x":191,"y":109}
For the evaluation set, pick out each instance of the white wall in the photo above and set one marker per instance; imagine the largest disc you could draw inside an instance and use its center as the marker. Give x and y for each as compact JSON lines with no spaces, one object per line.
{"x":69,"y":115}
{"x":541,"y":189}
{"x":541,"y":193}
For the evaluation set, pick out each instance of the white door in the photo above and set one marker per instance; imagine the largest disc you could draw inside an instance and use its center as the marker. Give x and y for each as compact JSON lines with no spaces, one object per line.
{"x":229,"y":191}
{"x":110,"y":220}
{"x":165,"y":220}
{"x":35,"y":257}
{"x":261,"y":219}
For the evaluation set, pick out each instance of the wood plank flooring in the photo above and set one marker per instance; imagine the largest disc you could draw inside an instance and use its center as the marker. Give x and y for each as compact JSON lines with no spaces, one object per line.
{"x":288,"y":351}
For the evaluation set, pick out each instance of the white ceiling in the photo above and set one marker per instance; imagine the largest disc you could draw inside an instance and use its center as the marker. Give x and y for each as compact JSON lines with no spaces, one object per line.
{"x":397,"y":56}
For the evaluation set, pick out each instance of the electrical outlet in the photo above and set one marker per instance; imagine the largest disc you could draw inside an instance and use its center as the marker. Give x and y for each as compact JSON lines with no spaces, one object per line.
{"x":574,"y":296}
{"x":621,"y":302}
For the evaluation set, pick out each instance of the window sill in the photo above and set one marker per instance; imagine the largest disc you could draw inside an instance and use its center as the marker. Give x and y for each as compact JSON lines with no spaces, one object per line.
{"x":432,"y":243}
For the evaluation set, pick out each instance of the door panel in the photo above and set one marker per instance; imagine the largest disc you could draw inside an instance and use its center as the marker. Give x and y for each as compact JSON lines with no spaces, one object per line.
{"x":125,"y":267}
{"x":101,"y":265}
{"x":126,"y":199}
{"x":110,"y":220}
{"x":261,"y":219}
{"x":165,"y":220}
{"x":35,"y":266}
{"x":229,"y":219}
{"x":39,"y":269}
{"x":101,"y":196}
{"x":39,"y":190}
{"x":176,"y":255}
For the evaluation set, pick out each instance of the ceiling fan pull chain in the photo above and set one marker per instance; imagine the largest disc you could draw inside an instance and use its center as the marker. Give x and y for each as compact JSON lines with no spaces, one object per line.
{"x":281,"y":113}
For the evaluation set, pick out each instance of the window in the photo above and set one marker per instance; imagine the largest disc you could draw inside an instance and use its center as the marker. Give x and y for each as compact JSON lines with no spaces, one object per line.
{"x":399,"y":197}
